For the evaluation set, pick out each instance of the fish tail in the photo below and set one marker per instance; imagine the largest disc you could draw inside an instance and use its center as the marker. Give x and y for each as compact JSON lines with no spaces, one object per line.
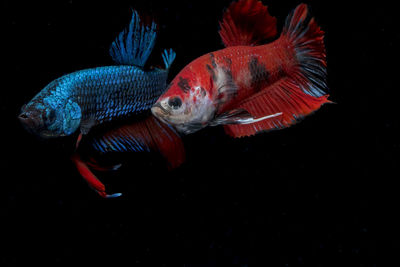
{"x":90,"y":178}
{"x":303,"y":89}
{"x":168,"y":56}
{"x":134,"y":44}
{"x":307,"y":40}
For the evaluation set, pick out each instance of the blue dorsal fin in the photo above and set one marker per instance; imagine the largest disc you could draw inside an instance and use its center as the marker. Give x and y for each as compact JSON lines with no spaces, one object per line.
{"x":134,"y":44}
{"x":168,"y":56}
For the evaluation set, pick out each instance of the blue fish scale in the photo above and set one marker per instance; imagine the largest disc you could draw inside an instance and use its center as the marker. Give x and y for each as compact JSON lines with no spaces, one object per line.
{"x":111,"y":143}
{"x":105,"y":93}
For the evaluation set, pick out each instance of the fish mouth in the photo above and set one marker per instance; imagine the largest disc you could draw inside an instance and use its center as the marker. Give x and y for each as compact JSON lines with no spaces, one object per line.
{"x":23,"y":116}
{"x":28,"y":121}
{"x":159,"y":110}
{"x":31,"y":122}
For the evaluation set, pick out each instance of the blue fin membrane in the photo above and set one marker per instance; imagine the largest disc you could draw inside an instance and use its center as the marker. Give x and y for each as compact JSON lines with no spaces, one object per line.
{"x":147,"y":135}
{"x":168,"y":56}
{"x":134,"y":44}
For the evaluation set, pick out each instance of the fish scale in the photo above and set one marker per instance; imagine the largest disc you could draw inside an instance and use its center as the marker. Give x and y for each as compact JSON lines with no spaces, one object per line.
{"x":104,"y":101}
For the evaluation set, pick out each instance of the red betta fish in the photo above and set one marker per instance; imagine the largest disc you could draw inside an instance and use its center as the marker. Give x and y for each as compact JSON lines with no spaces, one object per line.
{"x":251,"y":87}
{"x":144,"y":135}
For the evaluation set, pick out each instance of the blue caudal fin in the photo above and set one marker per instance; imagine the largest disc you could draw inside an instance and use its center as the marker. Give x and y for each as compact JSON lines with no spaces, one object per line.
{"x":168,"y":56}
{"x":134,"y":44}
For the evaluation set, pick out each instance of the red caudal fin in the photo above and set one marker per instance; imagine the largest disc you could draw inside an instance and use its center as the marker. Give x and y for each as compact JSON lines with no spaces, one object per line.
{"x":247,"y":22}
{"x":90,"y":178}
{"x":307,"y":40}
{"x":303,"y":89}
{"x":167,"y":141}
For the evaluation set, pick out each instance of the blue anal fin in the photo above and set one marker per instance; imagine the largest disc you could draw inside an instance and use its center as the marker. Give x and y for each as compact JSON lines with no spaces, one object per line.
{"x":134,"y":44}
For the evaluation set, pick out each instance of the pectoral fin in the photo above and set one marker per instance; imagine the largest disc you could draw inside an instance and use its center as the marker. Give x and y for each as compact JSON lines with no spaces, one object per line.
{"x":239,"y":116}
{"x":86,"y":125}
{"x":234,"y":116}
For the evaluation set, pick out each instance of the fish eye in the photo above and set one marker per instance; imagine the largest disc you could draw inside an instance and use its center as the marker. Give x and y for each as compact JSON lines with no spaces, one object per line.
{"x":52,"y":116}
{"x":175,"y":102}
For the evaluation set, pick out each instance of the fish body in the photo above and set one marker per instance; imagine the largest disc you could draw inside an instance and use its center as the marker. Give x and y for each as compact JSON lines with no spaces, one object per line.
{"x":145,"y":135}
{"x":216,"y":81}
{"x":250,"y":87}
{"x":85,"y":98}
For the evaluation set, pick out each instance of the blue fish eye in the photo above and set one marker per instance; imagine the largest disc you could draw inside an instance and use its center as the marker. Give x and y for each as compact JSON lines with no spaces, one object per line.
{"x":51,"y":116}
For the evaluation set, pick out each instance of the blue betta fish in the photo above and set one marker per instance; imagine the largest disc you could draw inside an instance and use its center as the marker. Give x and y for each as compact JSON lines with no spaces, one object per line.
{"x":89,"y":97}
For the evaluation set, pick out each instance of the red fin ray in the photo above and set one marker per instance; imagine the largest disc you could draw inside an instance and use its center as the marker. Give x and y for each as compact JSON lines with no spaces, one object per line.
{"x":90,"y":178}
{"x":167,"y":141}
{"x":144,"y":136}
{"x":284,"y":96}
{"x":247,"y":22}
{"x":304,"y":88}
{"x":307,"y":39}
{"x":93,"y":164}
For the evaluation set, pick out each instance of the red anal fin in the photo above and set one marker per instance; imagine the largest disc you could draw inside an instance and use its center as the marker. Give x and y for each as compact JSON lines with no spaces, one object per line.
{"x":247,"y":22}
{"x":167,"y":141}
{"x":284,"y":96}
{"x":90,"y":178}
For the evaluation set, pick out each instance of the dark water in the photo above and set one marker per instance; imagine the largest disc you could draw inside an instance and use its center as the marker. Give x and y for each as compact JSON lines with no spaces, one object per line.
{"x":321,"y":193}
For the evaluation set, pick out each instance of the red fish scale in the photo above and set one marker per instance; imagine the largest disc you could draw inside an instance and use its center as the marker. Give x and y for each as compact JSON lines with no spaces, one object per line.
{"x":276,"y":58}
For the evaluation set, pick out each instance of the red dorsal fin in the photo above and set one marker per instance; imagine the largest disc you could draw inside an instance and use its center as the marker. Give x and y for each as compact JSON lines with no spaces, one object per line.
{"x":284,"y":96}
{"x":167,"y":141}
{"x":247,"y":22}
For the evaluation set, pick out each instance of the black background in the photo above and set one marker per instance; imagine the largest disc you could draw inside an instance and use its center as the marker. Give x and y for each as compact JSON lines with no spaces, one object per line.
{"x":321,"y":193}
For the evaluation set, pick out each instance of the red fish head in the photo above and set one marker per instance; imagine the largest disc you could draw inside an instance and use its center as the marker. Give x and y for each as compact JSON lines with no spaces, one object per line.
{"x":187,"y":104}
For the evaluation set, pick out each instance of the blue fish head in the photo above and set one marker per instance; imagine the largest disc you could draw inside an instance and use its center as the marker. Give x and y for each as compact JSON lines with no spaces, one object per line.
{"x":49,"y":116}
